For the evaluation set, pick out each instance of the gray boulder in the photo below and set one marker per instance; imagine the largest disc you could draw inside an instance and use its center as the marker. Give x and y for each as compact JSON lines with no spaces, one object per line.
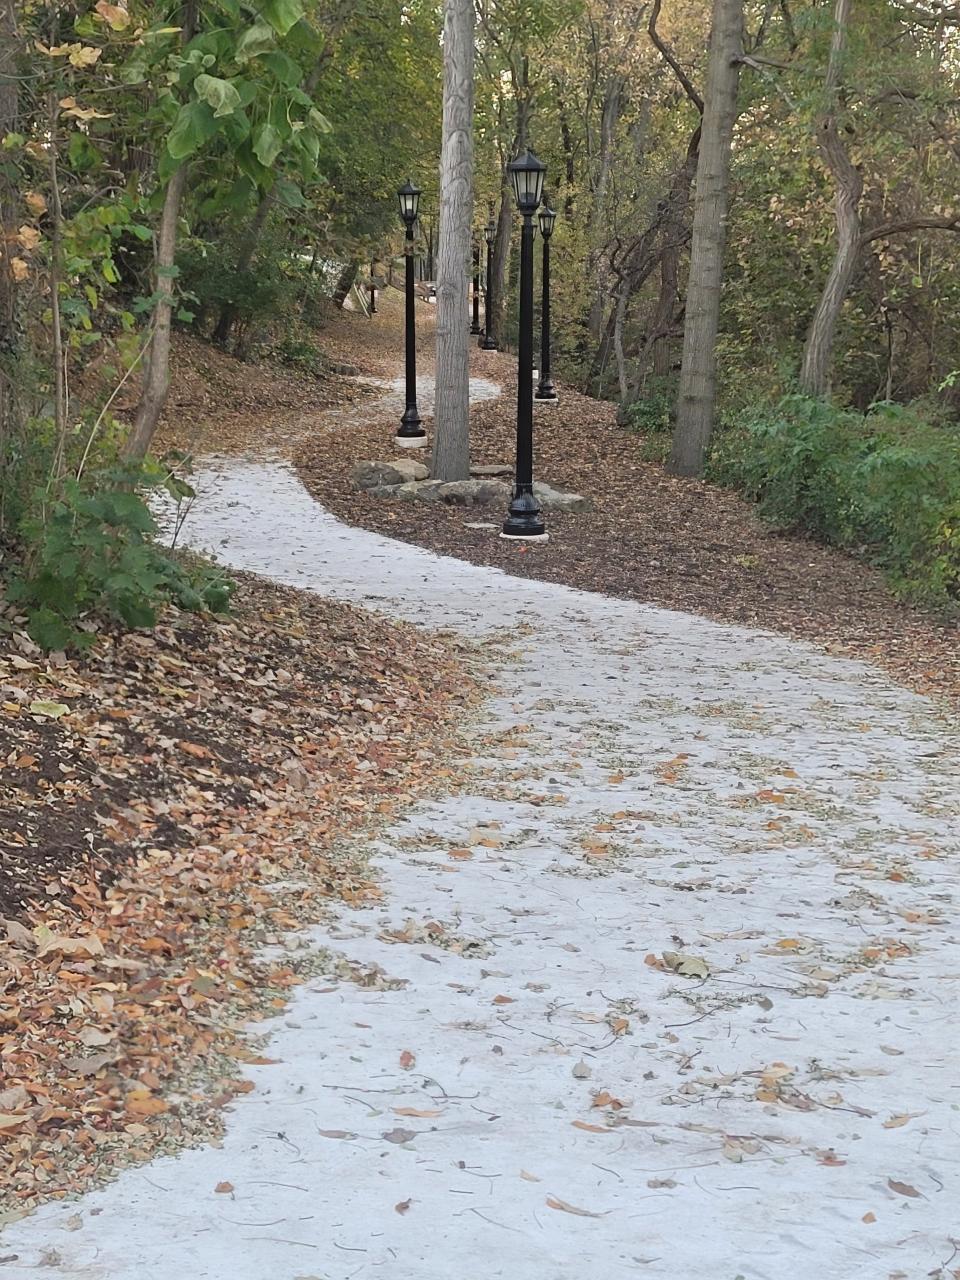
{"x":556,"y":500}
{"x":373,"y":475}
{"x":473,"y":493}
{"x":495,"y":469}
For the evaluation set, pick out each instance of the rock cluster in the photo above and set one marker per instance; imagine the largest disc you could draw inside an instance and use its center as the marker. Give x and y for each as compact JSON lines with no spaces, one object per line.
{"x":408,"y":481}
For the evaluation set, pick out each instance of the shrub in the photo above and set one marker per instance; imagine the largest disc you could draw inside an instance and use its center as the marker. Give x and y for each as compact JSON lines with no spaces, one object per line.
{"x":885,"y":483}
{"x":87,"y":550}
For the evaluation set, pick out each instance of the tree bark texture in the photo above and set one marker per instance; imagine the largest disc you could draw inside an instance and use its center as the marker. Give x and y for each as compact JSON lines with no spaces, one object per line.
{"x":156,"y":375}
{"x":451,"y":438}
{"x":848,"y":182}
{"x":698,"y":374}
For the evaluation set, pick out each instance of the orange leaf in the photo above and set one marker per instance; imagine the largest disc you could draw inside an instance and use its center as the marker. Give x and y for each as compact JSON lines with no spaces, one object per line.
{"x":503,"y":1000}
{"x":143,"y":1103}
{"x":223,"y":1188}
{"x":407,"y":1059}
{"x":591,"y":1128}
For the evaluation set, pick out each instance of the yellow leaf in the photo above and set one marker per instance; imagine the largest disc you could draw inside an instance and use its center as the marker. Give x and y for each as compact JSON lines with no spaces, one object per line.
{"x":35,"y":202}
{"x":20,"y":271}
{"x":116,"y":17}
{"x":84,"y":55}
{"x":29,"y":237}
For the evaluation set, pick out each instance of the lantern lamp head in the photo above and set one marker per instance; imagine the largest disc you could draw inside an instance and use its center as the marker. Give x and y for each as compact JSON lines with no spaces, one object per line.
{"x":409,"y":197}
{"x":490,"y":232}
{"x":547,"y":219}
{"x":527,"y":174}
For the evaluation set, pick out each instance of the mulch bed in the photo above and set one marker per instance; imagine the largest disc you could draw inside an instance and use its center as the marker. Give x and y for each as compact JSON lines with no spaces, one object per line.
{"x":680,"y":544}
{"x":155,"y":793}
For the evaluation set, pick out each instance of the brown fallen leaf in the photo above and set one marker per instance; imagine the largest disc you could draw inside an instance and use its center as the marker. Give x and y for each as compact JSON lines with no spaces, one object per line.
{"x":143,"y":1103}
{"x":336,"y":1133}
{"x":461,"y":855}
{"x":403,"y":1206}
{"x":591,"y":1128}
{"x":503,"y":1000}
{"x":904,"y":1189}
{"x":529,"y":1177}
{"x":399,"y":1135}
{"x":407,"y":1060}
{"x":869,"y":1217}
{"x":412,"y":1111}
{"x":897,"y":1122}
{"x":554,"y":1203}
{"x":223,"y":1188}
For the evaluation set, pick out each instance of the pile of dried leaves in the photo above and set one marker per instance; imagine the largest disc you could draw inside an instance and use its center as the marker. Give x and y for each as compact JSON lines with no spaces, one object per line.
{"x":171,"y":801}
{"x":681,"y":544}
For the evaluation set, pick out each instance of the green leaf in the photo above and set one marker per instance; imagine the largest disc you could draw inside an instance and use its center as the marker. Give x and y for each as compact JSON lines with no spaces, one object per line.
{"x":282,"y":14}
{"x":319,"y":121}
{"x":267,"y":144}
{"x":255,"y":41}
{"x":194,"y":125}
{"x":284,"y":68}
{"x":217,"y":93}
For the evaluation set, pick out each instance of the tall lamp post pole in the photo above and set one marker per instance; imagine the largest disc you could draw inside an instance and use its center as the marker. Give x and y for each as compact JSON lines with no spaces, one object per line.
{"x":475,"y":326}
{"x":411,"y":434}
{"x":524,"y":519}
{"x":373,"y":290}
{"x":545,"y":388}
{"x":488,"y":342}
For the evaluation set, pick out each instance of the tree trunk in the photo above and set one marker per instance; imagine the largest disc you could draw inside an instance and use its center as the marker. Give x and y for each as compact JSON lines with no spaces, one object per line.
{"x":663,"y":316}
{"x":501,"y":260}
{"x":156,"y":375}
{"x":345,"y":282}
{"x":818,"y":349}
{"x":451,"y":437}
{"x":698,"y":374}
{"x":248,"y":248}
{"x":9,"y":220}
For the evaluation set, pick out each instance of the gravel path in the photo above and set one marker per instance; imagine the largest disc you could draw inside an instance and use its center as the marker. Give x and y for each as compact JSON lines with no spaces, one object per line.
{"x":669,"y":989}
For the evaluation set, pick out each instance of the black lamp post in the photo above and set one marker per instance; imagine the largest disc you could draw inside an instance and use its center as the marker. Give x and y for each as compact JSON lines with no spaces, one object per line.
{"x":475,"y":326}
{"x":373,"y":290}
{"x":411,"y":434}
{"x":545,"y":388}
{"x":488,"y":342}
{"x":524,"y":520}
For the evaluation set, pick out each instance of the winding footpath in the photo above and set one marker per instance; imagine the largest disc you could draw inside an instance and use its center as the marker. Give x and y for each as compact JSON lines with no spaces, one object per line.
{"x":669,"y":989}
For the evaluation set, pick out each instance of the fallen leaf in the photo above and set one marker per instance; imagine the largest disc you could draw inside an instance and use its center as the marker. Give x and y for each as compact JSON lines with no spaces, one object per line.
{"x":336,"y":1133}
{"x":399,"y":1135}
{"x":656,"y":1183}
{"x":897,"y":1122}
{"x":403,"y":1206}
{"x":529,"y":1177}
{"x":686,"y":966}
{"x":503,"y":1000}
{"x":143,"y":1103}
{"x":904,"y":1189}
{"x":52,"y":710}
{"x":869,"y":1217}
{"x":554,"y":1203}
{"x":581,"y":1071}
{"x":412,"y":1111}
{"x":407,"y":1060}
{"x":223,"y":1188}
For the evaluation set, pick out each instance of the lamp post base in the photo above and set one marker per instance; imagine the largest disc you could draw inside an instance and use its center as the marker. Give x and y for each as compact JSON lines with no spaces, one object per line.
{"x":524,"y":519}
{"x":411,"y":442}
{"x":475,"y":329}
{"x":545,"y":391}
{"x":487,"y":343}
{"x":524,"y":537}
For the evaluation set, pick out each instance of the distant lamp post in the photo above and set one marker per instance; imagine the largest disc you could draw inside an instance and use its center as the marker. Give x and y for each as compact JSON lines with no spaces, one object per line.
{"x":545,"y":389}
{"x":373,"y":289}
{"x":411,"y":434}
{"x":488,"y":342}
{"x":524,"y":520}
{"x":475,"y":326}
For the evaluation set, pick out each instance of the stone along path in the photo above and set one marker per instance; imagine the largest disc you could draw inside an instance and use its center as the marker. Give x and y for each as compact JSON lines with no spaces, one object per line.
{"x":669,"y":989}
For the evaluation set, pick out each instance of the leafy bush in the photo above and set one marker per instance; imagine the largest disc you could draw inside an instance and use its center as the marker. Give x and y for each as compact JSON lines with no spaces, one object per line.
{"x":90,"y":550}
{"x":651,"y":416}
{"x":885,"y":483}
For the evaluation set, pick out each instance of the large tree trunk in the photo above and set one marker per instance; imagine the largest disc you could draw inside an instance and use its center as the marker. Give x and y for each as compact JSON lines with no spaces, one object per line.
{"x":818,"y":349}
{"x":698,"y":374}
{"x":451,"y":436}
{"x":156,"y":376}
{"x":9,"y":220}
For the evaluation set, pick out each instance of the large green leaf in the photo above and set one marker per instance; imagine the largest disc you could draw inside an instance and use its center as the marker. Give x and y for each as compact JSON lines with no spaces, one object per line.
{"x":217,"y":93}
{"x":256,"y":40}
{"x":194,"y":125}
{"x":282,"y":14}
{"x":267,"y":144}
